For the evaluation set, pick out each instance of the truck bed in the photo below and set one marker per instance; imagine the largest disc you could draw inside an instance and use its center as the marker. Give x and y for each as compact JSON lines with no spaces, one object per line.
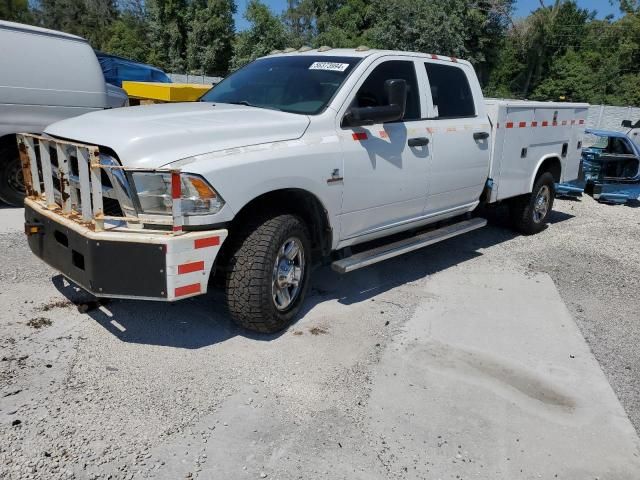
{"x":525,"y":134}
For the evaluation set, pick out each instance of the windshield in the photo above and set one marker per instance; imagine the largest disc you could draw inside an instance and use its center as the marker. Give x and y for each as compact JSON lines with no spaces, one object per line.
{"x":298,"y":84}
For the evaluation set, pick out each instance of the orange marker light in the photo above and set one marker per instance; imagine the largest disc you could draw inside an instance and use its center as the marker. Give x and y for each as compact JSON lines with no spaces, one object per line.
{"x":204,"y":191}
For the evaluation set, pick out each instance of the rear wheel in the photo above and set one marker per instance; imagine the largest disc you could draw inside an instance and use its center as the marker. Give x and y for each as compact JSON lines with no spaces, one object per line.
{"x":267,"y":273}
{"x":530,"y":213}
{"x":12,"y":189}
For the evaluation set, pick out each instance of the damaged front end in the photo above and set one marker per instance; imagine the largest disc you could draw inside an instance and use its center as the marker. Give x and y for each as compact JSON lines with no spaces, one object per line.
{"x":112,"y":230}
{"x":609,"y":169}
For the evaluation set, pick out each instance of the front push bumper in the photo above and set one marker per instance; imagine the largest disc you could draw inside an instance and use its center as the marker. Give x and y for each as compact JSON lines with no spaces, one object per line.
{"x":124,"y":264}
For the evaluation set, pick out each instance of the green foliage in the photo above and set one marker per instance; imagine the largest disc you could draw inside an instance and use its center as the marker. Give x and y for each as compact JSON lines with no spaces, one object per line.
{"x":15,"y":11}
{"x":127,"y":37}
{"x":210,"y":38}
{"x":266,"y":33}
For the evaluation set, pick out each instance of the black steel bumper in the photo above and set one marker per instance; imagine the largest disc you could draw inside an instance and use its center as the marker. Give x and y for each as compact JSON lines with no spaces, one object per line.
{"x":109,"y":268}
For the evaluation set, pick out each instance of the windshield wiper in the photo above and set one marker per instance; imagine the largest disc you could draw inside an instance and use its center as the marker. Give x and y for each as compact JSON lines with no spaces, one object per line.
{"x":248,"y":104}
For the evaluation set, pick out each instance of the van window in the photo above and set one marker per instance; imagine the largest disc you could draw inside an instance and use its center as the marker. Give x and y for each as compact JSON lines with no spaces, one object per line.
{"x":450,"y":91}
{"x":372,"y":92}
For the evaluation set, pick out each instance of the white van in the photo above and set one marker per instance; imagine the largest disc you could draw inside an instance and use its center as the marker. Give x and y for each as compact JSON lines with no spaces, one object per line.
{"x":45,"y":76}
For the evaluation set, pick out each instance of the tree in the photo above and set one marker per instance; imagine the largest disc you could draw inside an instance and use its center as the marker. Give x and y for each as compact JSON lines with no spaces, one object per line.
{"x":265,"y":34}
{"x":211,"y":35}
{"x":128,"y":38}
{"x":15,"y":11}
{"x":168,"y":32}
{"x":89,"y":19}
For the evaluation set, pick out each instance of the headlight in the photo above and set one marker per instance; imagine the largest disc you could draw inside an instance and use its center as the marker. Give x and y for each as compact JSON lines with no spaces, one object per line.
{"x":154,"y":194}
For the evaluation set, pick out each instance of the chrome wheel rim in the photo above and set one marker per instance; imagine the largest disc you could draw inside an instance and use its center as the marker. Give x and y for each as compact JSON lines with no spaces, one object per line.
{"x":288,"y":272}
{"x":541,"y":204}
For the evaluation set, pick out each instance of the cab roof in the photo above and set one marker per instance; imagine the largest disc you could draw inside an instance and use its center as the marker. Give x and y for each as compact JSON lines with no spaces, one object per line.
{"x":363,"y":53}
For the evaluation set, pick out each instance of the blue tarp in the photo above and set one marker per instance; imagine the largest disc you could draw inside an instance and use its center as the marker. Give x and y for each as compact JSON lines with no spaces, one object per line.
{"x":117,"y":69}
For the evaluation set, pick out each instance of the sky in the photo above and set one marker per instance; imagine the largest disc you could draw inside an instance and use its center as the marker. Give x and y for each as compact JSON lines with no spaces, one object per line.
{"x":523,"y":8}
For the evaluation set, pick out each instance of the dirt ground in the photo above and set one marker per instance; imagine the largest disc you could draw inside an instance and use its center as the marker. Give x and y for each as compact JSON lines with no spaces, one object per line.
{"x":148,"y":390}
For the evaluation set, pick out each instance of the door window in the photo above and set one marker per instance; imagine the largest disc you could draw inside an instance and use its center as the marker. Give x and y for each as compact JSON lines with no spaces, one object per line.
{"x":372,"y":92}
{"x":450,"y":91}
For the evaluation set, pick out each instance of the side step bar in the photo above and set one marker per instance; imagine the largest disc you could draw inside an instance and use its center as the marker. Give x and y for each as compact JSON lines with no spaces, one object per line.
{"x":400,"y":247}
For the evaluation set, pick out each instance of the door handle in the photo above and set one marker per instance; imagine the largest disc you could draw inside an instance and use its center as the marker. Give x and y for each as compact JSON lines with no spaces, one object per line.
{"x":418,"y":142}
{"x":480,"y":135}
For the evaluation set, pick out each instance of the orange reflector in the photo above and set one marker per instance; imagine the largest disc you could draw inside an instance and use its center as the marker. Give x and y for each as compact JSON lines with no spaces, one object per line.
{"x":204,"y":190}
{"x":190,"y":267}
{"x":206,"y":242}
{"x":187,"y":290}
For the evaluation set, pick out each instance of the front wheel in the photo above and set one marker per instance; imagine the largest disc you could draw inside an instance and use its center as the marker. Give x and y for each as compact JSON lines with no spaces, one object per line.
{"x":531,"y":212}
{"x":267,"y":275}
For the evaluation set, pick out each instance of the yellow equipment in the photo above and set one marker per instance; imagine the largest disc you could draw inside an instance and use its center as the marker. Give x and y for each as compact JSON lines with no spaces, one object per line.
{"x":155,"y":92}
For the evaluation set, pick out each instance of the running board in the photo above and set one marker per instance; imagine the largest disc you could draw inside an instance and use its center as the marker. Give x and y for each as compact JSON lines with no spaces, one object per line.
{"x":400,"y":247}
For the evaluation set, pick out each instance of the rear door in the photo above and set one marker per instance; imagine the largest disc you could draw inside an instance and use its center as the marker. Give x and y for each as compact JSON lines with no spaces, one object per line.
{"x":460,"y":130}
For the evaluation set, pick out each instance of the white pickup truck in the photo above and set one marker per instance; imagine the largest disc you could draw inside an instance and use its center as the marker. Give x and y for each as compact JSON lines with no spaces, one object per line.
{"x":296,"y":159}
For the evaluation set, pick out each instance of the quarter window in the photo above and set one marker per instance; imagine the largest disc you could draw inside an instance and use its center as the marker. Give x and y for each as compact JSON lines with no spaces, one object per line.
{"x":450,"y":91}
{"x":372,"y":92}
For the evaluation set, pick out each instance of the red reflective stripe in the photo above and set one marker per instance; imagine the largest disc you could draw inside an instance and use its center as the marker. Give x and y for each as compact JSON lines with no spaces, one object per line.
{"x":187,"y":290}
{"x":534,"y":124}
{"x":206,"y":242}
{"x":176,"y":189}
{"x":359,"y":136}
{"x":581,"y":122}
{"x":509,"y":125}
{"x":190,"y":267}
{"x":177,"y":228}
{"x":522,"y":124}
{"x":545,"y":124}
{"x":435,"y":57}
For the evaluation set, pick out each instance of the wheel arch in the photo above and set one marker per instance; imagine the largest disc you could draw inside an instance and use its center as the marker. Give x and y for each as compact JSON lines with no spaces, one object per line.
{"x":549,"y":163}
{"x":297,"y":201}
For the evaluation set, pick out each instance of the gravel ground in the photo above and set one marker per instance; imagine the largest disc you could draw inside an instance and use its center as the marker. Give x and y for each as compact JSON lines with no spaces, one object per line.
{"x":147,"y":390}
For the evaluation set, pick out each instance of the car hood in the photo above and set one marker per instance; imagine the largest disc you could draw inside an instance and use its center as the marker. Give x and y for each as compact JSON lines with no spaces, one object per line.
{"x":151,"y":136}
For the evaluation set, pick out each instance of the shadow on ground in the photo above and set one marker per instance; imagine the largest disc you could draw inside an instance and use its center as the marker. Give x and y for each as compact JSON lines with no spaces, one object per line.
{"x":202,"y":321}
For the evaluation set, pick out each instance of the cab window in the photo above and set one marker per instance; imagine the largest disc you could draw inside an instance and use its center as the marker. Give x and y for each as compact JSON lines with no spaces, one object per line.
{"x":372,"y":92}
{"x":450,"y":91}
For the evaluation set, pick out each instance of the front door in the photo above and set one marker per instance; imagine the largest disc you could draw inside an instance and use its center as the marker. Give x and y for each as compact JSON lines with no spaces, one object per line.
{"x":385,"y":179}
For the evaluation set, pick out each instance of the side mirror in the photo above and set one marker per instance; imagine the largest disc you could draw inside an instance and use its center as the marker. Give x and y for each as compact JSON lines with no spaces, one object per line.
{"x":396,"y":90}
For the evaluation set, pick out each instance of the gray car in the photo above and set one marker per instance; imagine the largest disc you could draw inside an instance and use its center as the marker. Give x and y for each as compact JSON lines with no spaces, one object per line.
{"x":45,"y":76}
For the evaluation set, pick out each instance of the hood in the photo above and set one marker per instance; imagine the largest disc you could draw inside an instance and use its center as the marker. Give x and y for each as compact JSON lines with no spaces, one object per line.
{"x":151,"y":136}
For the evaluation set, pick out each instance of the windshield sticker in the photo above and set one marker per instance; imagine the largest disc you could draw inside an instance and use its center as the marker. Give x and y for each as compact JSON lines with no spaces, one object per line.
{"x":335,"y":67}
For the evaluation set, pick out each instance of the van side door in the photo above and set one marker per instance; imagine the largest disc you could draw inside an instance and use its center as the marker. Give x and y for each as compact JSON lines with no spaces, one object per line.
{"x":460,"y":132}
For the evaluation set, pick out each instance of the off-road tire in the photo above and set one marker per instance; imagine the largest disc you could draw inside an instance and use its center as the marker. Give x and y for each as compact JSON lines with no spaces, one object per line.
{"x":9,"y":161}
{"x":251,"y":256}
{"x":523,"y":208}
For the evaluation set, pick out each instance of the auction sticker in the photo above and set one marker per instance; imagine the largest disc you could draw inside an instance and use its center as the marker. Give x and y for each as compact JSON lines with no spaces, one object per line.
{"x":335,"y":67}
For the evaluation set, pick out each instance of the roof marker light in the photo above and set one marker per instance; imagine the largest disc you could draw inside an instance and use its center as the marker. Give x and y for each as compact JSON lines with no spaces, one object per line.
{"x":304,"y":48}
{"x":362,"y":48}
{"x":325,"y":48}
{"x":289,"y":50}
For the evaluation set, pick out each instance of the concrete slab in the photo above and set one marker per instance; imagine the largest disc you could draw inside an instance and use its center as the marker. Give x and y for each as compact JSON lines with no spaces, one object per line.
{"x":492,"y":379}
{"x":12,"y":219}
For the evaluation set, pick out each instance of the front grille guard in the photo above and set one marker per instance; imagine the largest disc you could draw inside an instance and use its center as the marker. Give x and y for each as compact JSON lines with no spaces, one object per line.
{"x":79,"y":197}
